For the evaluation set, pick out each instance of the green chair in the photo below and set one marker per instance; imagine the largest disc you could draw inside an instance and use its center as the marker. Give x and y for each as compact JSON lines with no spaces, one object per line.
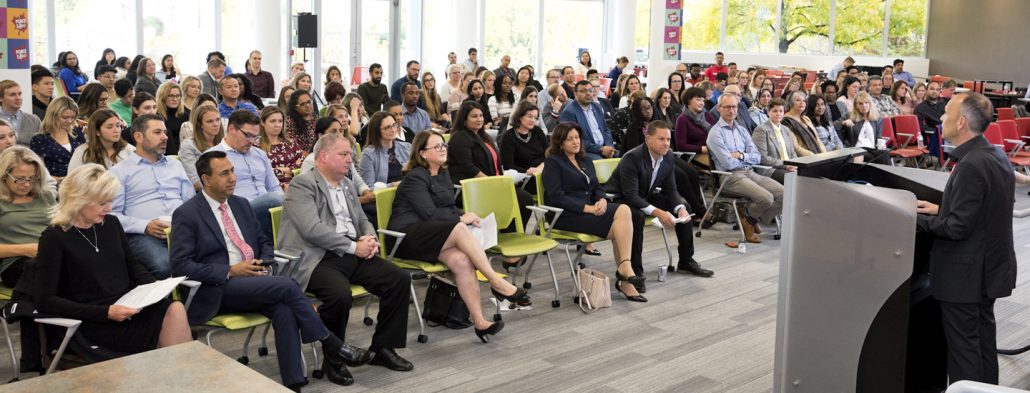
{"x":420,"y":269}
{"x":604,"y":169}
{"x":496,"y":195}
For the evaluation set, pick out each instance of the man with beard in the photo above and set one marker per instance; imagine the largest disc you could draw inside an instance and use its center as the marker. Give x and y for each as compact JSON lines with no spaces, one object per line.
{"x":412,"y":71}
{"x":932,"y":108}
{"x":153,"y":186}
{"x":374,"y":93}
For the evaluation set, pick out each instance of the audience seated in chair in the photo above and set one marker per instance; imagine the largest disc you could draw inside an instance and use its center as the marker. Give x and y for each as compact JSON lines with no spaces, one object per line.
{"x":323,"y":223}
{"x":104,"y":143}
{"x":57,"y":138}
{"x":775,"y":142}
{"x":437,"y":230}
{"x":25,"y":124}
{"x":597,"y":139}
{"x":216,"y":240}
{"x":152,"y":187}
{"x":384,"y":156}
{"x":645,"y":180}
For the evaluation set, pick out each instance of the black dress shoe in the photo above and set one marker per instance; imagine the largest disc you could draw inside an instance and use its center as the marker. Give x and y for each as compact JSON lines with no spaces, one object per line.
{"x":692,"y":267}
{"x":641,"y":288}
{"x":339,"y":375}
{"x":347,"y":354}
{"x":389,"y":358}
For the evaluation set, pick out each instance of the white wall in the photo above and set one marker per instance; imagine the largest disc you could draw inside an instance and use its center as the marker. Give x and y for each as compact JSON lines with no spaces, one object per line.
{"x":24,"y":80}
{"x":659,"y":69}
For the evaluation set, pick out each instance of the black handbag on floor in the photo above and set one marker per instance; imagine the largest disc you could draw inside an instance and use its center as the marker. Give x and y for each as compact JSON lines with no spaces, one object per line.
{"x":444,"y":306}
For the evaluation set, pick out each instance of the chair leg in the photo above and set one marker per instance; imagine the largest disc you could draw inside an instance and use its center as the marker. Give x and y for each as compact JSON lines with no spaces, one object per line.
{"x":422,"y":337}
{"x":263,"y":349}
{"x":554,"y":278}
{"x":317,"y":372}
{"x":668,"y":251}
{"x":246,"y":346}
{"x":742,"y":244}
{"x":368,"y":321}
{"x":68,"y":333}
{"x":10,"y":348}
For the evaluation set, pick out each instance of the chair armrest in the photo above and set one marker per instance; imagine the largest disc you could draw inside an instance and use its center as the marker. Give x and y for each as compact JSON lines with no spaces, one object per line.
{"x":457,"y":192}
{"x":542,"y":210}
{"x":539,"y":213}
{"x":400,"y":237}
{"x":763,"y":170}
{"x":723,"y":173}
{"x":193,"y":286}
{"x":908,"y":138}
{"x":1017,"y":145}
{"x":1025,"y":137}
{"x":609,"y":196}
{"x":67,"y":323}
{"x":689,"y":155}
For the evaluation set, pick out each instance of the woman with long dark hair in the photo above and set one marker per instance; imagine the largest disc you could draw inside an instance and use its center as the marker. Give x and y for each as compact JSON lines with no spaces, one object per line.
{"x":502,"y":102}
{"x":818,"y":114}
{"x":146,"y":77}
{"x":71,"y":75}
{"x":300,"y":119}
{"x":107,"y":58}
{"x":168,"y":72}
{"x":104,"y":144}
{"x":476,"y":92}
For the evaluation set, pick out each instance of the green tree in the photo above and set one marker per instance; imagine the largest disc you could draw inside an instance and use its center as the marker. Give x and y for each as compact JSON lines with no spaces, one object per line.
{"x":701,"y":22}
{"x":751,"y":25}
{"x":859,"y":27}
{"x":806,"y":23}
{"x":907,"y":34}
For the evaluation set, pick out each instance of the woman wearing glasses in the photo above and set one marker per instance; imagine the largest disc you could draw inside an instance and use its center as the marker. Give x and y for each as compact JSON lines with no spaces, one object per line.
{"x":437,"y":230}
{"x":25,"y":203}
{"x":384,"y":156}
{"x":300,"y":119}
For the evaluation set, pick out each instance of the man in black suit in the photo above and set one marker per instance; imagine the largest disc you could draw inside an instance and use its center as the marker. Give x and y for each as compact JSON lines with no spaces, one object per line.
{"x":973,"y":260}
{"x":645,"y":180}
{"x":218,"y":241}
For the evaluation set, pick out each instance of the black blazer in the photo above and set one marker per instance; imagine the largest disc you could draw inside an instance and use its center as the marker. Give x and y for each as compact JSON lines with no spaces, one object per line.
{"x":467,"y":155}
{"x":972,"y":255}
{"x":566,"y":187}
{"x":198,"y":250}
{"x":631,"y":181}
{"x":421,"y":197}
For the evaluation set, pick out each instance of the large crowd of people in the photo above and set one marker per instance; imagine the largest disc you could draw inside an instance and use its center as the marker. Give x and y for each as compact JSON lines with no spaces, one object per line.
{"x":140,"y":145}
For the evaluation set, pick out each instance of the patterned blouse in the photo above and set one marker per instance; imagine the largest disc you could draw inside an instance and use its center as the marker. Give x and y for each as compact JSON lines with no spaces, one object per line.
{"x":303,"y":135}
{"x":286,"y":154}
{"x":55,"y":157}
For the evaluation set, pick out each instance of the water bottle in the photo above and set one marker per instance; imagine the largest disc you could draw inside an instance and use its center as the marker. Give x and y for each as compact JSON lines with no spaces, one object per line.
{"x":919,"y":139}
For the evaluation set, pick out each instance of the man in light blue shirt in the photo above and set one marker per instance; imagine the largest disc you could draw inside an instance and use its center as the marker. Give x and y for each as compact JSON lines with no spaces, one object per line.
{"x":153,"y":187}
{"x":415,"y":118}
{"x":255,"y":179}
{"x":901,"y":75}
{"x":732,"y":150}
{"x":596,"y":140}
{"x":229,"y":88}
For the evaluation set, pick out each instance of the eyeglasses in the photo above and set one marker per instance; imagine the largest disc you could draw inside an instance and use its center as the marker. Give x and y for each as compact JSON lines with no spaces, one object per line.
{"x":23,"y":180}
{"x":250,"y":137}
{"x":584,"y":90}
{"x":175,"y":96}
{"x":389,"y":127}
{"x":304,"y":103}
{"x":440,"y":147}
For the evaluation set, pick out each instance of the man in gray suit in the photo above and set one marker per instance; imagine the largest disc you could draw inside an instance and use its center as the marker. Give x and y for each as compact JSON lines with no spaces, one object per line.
{"x":209,"y":80}
{"x":323,"y":222}
{"x":25,"y":125}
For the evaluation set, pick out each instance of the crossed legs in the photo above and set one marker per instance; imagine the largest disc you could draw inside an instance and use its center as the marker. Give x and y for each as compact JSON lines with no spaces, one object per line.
{"x":463,"y":256}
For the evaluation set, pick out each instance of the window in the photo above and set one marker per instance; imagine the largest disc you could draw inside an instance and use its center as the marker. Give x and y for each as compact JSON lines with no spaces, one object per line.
{"x":805,"y":27}
{"x":858,"y":28}
{"x":375,"y":34}
{"x":907,"y":35}
{"x":86,"y":27}
{"x":440,"y":36}
{"x":184,"y":29}
{"x":642,"y":35}
{"x":751,"y":25}
{"x":569,"y":26}
{"x":334,"y":21}
{"x":510,"y":29}
{"x":39,"y":49}
{"x":239,"y":34}
{"x":701,"y":21}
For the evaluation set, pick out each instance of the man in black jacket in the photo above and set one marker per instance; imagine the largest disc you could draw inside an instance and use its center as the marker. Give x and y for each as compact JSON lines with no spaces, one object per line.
{"x":645,"y":180}
{"x":973,"y":261}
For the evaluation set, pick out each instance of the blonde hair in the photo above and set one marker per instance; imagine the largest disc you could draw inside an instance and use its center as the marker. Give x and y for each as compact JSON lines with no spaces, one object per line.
{"x":20,"y":155}
{"x":87,"y":184}
{"x":199,"y":139}
{"x":162,"y":94}
{"x":184,"y":86}
{"x":873,"y":114}
{"x":53,"y":112}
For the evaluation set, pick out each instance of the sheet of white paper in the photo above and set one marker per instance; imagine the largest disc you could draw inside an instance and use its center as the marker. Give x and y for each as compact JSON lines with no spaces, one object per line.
{"x":486,"y":232}
{"x":519,"y":177}
{"x":147,"y":294}
{"x":658,"y":223}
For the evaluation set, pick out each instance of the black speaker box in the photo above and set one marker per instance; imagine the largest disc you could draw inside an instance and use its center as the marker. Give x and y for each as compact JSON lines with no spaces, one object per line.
{"x":307,"y":31}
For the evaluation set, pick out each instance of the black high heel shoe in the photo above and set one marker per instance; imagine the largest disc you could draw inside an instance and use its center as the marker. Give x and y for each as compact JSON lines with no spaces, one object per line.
{"x":635,"y":280}
{"x":520,"y":297}
{"x":636,"y":298}
{"x":508,"y":265}
{"x":485,"y":334}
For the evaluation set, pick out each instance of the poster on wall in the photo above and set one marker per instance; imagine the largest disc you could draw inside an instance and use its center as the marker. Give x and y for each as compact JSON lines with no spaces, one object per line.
{"x":14,"y":36}
{"x":673,"y":29}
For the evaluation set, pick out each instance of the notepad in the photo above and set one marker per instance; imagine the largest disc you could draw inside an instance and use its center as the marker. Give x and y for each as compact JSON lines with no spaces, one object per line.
{"x":658,"y":223}
{"x":486,"y":232}
{"x":147,"y":294}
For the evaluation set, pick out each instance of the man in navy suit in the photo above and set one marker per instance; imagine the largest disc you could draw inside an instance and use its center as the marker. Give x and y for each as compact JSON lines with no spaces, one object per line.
{"x":597,"y":139}
{"x":645,"y":180}
{"x":217,"y":241}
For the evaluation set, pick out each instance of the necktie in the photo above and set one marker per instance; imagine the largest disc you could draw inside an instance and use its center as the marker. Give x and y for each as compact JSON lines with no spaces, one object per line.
{"x":234,"y":236}
{"x":779,"y":140}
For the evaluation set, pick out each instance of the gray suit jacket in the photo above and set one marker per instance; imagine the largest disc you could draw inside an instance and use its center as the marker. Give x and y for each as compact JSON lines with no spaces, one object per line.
{"x":308,"y":226}
{"x":765,"y":140}
{"x":29,"y":128}
{"x":208,"y":85}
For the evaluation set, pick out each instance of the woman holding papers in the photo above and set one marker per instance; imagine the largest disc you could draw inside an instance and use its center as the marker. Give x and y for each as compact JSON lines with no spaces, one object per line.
{"x":570,"y":184}
{"x":436,"y":230}
{"x":522,"y":147}
{"x":85,"y":266}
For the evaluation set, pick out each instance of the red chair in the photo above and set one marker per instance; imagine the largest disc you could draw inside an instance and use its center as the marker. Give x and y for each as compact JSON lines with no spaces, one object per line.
{"x":911,"y":156}
{"x":1023,"y":127}
{"x":993,"y":135}
{"x":1013,"y":144}
{"x":907,"y":127}
{"x":1006,"y":114}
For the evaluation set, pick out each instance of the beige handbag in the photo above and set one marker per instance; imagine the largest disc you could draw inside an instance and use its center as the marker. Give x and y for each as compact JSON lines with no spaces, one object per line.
{"x":594,"y":290}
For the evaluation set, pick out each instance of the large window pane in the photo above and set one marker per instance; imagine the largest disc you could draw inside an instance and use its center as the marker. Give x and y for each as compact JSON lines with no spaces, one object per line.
{"x":907,"y":35}
{"x":335,"y":43}
{"x":239,"y":16}
{"x":375,"y":34}
{"x":184,"y":29}
{"x":569,"y":26}
{"x":39,"y":48}
{"x":805,"y":27}
{"x":77,"y":29}
{"x":701,"y":21}
{"x":439,"y":36}
{"x":751,"y":25}
{"x":511,"y":30}
{"x":858,"y":27}
{"x":642,"y":35}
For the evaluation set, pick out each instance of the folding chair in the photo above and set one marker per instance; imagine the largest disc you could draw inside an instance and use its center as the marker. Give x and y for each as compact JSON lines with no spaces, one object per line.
{"x":1006,"y":114}
{"x":1003,"y":134}
{"x":496,"y":194}
{"x":736,"y":201}
{"x":897,"y":149}
{"x":604,"y":169}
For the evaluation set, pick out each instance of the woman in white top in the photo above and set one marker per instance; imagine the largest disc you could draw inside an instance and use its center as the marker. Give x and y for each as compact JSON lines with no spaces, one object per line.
{"x":865,"y":125}
{"x":522,"y":80}
{"x":502,"y":103}
{"x":852,"y":86}
{"x":459,"y":95}
{"x":632,"y":86}
{"x":585,"y":64}
{"x":104,"y":143}
{"x":453,"y":82}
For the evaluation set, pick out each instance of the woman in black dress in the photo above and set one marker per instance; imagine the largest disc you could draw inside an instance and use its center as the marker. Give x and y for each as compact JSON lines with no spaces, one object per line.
{"x":85,"y":265}
{"x":523,"y":147}
{"x":570,"y":184}
{"x":437,"y":230}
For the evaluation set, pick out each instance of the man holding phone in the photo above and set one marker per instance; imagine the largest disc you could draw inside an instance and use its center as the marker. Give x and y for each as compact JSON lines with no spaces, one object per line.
{"x":217,"y":241}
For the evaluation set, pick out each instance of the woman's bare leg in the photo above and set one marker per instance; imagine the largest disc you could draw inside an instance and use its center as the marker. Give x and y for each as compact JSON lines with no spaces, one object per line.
{"x":463,"y":241}
{"x":468,"y":284}
{"x":621,"y":235}
{"x":175,"y":329}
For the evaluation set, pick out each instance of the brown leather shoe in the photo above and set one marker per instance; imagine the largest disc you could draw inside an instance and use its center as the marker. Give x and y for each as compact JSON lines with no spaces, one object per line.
{"x":749,"y":230}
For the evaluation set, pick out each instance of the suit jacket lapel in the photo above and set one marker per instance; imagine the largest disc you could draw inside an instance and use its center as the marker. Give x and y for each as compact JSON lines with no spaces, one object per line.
{"x":648,"y":168}
{"x":209,"y":218}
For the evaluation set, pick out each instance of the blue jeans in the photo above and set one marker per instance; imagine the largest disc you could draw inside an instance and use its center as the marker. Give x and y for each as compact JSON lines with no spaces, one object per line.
{"x":152,"y":253}
{"x":260,"y":205}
